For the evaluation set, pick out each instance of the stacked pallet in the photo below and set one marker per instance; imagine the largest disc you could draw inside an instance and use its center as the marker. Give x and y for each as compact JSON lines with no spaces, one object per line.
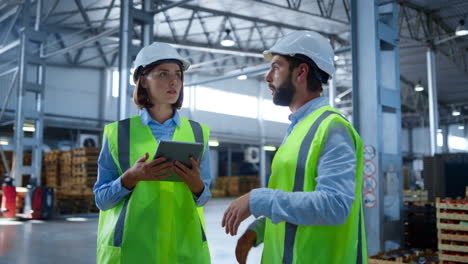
{"x":452,"y":227}
{"x":237,"y":185}
{"x":74,"y":203}
{"x":417,"y":196}
{"x":420,"y":225}
{"x":51,"y":165}
{"x":84,"y":171}
{"x":65,"y":169}
{"x":403,"y":256}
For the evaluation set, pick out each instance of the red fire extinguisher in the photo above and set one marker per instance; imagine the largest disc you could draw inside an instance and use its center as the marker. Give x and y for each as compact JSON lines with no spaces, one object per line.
{"x":8,"y":198}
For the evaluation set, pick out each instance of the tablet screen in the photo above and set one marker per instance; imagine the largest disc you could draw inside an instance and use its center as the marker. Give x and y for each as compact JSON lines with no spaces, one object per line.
{"x":179,"y":151}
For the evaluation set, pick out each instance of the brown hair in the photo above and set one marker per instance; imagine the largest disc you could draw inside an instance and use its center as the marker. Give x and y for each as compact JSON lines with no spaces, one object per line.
{"x":140,"y":94}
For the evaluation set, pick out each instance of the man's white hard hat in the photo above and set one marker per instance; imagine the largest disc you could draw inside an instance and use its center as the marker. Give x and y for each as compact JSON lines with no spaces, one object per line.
{"x":157,"y":52}
{"x":308,"y":43}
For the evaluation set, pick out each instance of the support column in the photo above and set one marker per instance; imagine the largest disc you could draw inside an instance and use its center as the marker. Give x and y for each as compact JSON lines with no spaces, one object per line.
{"x":410,"y":141}
{"x":465,"y":127}
{"x":433,"y":107}
{"x":332,"y":91}
{"x":30,"y":64}
{"x":445,"y":134}
{"x":129,"y":18}
{"x":377,"y":117}
{"x":229,"y":161}
{"x":17,"y":171}
{"x":261,"y":129}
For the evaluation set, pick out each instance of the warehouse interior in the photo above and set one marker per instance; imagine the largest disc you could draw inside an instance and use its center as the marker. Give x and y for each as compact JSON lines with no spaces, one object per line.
{"x":401,"y":79}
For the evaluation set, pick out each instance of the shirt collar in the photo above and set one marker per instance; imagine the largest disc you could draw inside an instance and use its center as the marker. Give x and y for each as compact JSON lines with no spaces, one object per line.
{"x":146,"y":118}
{"x":308,"y":108}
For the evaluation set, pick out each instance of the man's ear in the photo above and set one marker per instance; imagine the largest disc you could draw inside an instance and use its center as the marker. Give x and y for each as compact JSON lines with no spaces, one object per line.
{"x":302,"y":72}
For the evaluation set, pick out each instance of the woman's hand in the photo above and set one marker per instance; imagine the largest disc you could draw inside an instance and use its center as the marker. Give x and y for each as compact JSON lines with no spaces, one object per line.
{"x":154,"y":170}
{"x":191,"y":177}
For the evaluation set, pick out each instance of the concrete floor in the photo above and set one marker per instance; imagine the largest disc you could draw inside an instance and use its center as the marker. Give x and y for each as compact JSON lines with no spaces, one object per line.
{"x":73,"y":239}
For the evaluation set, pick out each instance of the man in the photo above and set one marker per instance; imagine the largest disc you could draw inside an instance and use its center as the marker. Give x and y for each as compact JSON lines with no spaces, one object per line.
{"x":312,"y":210}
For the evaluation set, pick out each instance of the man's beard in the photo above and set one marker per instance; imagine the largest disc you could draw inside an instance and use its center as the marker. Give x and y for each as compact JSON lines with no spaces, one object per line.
{"x":284,"y":93}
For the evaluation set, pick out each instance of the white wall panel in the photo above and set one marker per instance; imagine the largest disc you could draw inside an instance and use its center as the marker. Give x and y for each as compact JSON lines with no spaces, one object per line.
{"x":457,"y":141}
{"x":73,"y":92}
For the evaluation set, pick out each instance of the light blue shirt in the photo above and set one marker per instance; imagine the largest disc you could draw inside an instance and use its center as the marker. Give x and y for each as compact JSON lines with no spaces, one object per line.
{"x":108,"y":189}
{"x":330,"y":203}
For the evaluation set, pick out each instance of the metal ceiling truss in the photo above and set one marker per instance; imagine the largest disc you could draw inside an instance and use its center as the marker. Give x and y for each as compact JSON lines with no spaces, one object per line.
{"x":415,"y":24}
{"x":325,"y":8}
{"x":62,"y":32}
{"x":427,"y":29}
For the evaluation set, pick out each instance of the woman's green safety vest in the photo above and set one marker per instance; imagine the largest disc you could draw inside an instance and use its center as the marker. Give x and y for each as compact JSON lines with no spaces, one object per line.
{"x":159,"y":222}
{"x":294,"y":169}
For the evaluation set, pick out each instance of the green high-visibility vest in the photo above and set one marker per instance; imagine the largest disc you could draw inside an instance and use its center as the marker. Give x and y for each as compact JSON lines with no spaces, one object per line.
{"x":294,"y":169}
{"x":159,"y":222}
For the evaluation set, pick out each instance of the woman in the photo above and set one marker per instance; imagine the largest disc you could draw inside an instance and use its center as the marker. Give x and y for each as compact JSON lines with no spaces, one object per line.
{"x":145,"y":218}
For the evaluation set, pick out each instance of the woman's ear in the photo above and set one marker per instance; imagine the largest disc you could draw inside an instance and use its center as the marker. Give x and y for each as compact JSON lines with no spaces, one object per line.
{"x":143,"y":82}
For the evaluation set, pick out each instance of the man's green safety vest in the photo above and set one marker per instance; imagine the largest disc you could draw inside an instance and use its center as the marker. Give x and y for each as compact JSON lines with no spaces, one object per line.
{"x":294,"y":169}
{"x":159,"y":222}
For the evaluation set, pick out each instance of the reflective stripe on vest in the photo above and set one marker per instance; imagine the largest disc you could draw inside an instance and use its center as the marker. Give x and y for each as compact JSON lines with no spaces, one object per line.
{"x":123,"y":137}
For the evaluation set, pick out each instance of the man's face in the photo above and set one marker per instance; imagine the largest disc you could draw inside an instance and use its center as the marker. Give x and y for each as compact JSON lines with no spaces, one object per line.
{"x":280,"y":81}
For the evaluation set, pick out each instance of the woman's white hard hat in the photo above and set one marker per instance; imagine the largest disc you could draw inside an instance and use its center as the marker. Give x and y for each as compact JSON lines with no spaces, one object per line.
{"x":157,"y":52}
{"x":308,"y":43}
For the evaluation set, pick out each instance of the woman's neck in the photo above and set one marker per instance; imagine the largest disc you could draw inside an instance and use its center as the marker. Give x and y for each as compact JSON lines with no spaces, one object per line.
{"x":161,"y":113}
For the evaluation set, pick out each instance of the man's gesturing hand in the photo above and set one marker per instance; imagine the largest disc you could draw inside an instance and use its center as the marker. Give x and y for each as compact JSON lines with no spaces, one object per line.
{"x":244,"y":244}
{"x":237,"y":212}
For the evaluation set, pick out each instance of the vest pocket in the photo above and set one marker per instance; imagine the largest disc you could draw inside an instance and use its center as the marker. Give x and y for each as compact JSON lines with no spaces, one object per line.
{"x":108,"y":254}
{"x":119,"y":227}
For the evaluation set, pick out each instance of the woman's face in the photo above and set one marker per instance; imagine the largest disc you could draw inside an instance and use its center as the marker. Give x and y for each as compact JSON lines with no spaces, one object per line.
{"x":163,"y":83}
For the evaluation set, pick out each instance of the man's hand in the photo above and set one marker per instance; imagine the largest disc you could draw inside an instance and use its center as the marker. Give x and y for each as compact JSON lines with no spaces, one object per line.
{"x":237,"y":212}
{"x":244,"y":244}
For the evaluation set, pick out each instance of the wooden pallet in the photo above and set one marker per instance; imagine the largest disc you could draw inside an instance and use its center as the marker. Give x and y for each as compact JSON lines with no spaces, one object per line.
{"x":404,"y":256}
{"x":452,"y":233}
{"x":75,"y":201}
{"x":415,"y":196}
{"x":382,"y":261}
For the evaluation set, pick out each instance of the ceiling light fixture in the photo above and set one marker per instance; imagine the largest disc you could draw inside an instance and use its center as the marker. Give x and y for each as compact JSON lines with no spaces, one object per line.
{"x":418,"y":87}
{"x":227,"y":40}
{"x":269,"y":148}
{"x":455,"y":112}
{"x":462,"y":29}
{"x":242,"y":77}
{"x":213,"y":143}
{"x":461,"y":127}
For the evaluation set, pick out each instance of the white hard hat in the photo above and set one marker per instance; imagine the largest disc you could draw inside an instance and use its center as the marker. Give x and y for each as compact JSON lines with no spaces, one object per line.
{"x":156,"y":52}
{"x":308,"y":43}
